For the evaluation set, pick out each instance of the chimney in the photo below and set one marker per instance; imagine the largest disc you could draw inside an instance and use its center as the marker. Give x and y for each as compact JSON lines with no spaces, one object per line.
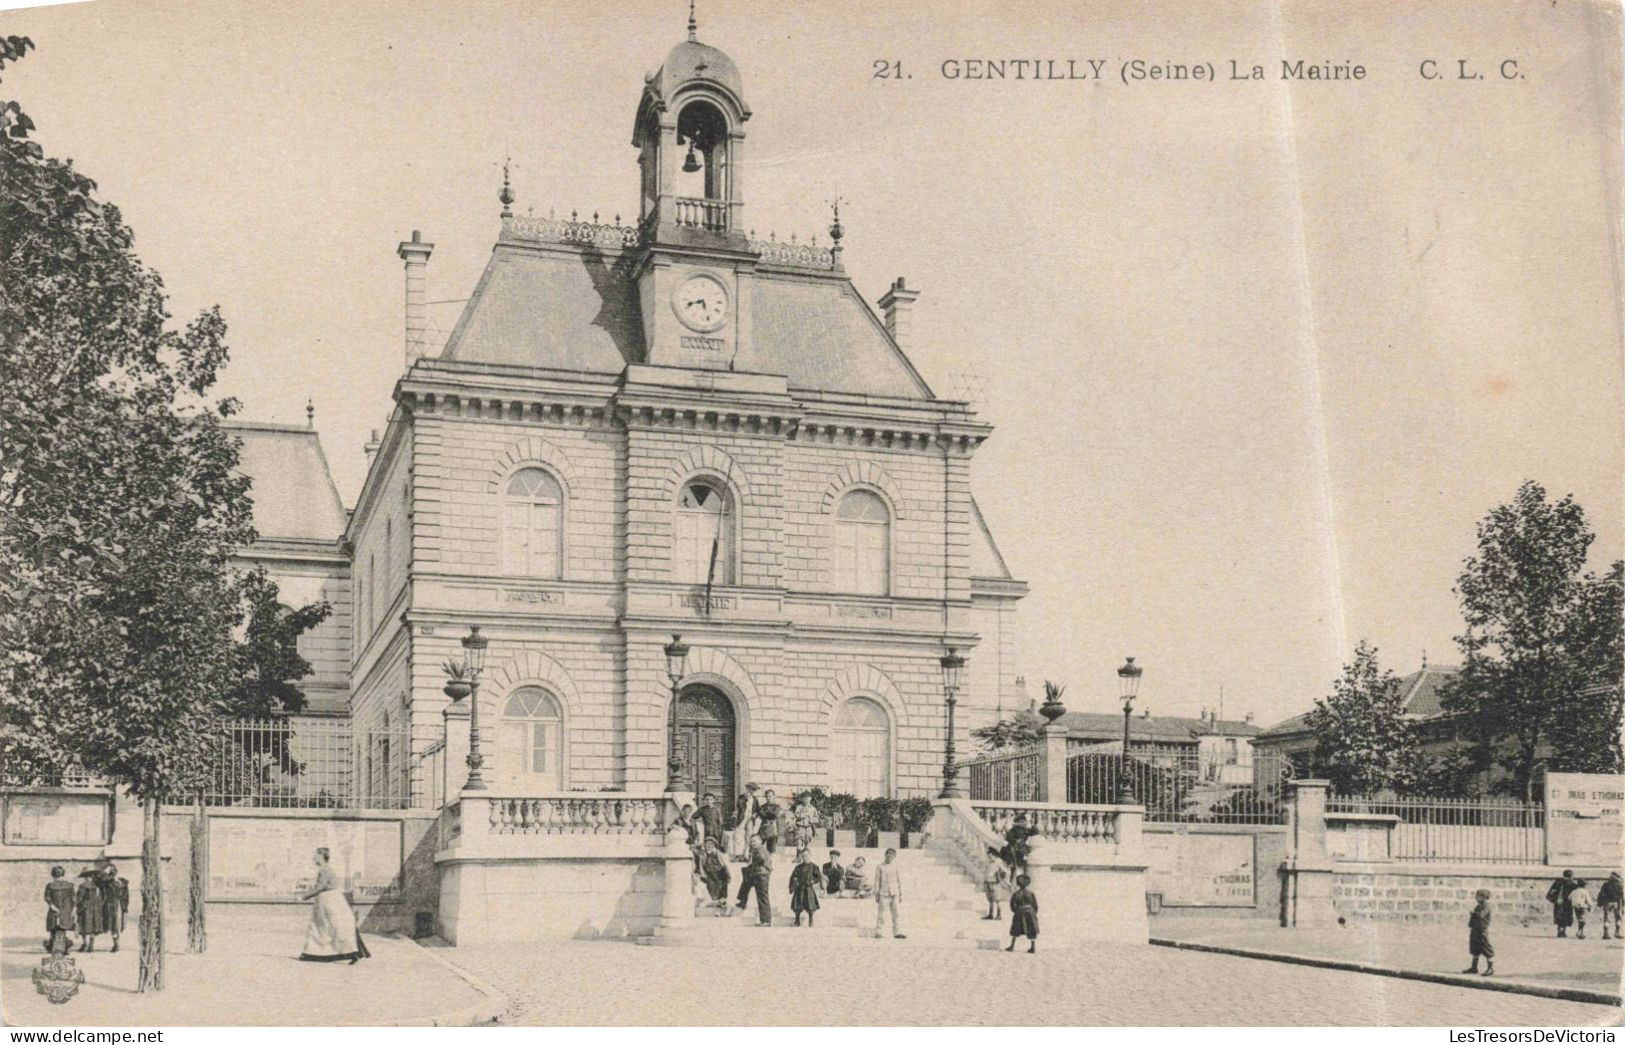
{"x":371,"y":448}
{"x":898,"y":305}
{"x":415,"y":253}
{"x":1249,"y":718}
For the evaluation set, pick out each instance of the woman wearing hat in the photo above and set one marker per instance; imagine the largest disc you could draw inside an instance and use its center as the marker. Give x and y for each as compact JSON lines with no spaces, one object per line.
{"x":88,"y":908}
{"x":332,"y":935}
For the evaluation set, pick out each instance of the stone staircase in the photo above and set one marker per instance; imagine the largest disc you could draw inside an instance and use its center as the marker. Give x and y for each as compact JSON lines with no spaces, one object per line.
{"x":943,"y":906}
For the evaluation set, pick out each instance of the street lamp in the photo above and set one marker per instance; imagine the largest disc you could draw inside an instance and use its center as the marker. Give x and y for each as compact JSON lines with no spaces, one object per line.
{"x":474,"y":656}
{"x":953,"y":667}
{"x":676,"y":668}
{"x":1128,"y":685}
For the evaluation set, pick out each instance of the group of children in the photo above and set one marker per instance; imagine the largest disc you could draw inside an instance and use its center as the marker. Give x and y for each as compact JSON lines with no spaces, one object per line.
{"x":1571,"y":901}
{"x":99,"y":904}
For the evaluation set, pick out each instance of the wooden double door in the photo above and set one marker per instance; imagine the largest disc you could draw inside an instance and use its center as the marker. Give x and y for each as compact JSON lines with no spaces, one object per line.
{"x":706,"y":742}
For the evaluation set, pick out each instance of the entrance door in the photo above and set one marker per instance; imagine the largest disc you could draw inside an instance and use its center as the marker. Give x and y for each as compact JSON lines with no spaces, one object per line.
{"x":705,"y":744}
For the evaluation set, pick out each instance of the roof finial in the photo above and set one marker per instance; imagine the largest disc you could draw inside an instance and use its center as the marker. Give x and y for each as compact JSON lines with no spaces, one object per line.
{"x":1424,"y":660}
{"x":506,"y":195}
{"x":836,"y":231}
{"x":692,"y":24}
{"x":310,"y":413}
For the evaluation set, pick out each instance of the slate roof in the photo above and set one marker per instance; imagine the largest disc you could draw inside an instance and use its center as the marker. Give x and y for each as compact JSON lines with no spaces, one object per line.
{"x":1419,"y":690}
{"x":579,"y":311}
{"x":1163,"y":728}
{"x":294,"y":496}
{"x":985,"y":560}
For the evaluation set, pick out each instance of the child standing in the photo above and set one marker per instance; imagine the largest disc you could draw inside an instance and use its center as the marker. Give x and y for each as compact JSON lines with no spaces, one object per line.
{"x":997,"y":888}
{"x":1580,"y":901}
{"x":1478,"y":935}
{"x":1024,"y":915}
{"x":834,"y":874}
{"x":1611,"y":897}
{"x":805,"y":885}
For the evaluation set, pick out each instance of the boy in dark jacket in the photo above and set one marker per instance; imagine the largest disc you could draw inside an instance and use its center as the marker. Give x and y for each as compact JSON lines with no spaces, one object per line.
{"x":834,"y":873}
{"x":1024,"y":915}
{"x":1478,"y":935}
{"x":1610,"y":898}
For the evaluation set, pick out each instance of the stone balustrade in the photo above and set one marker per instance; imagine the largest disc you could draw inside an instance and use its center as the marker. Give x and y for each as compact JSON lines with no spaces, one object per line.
{"x":581,"y":814}
{"x":1054,"y":822}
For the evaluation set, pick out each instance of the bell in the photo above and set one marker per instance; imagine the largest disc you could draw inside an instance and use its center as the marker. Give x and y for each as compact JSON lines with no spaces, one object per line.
{"x":691,"y":163}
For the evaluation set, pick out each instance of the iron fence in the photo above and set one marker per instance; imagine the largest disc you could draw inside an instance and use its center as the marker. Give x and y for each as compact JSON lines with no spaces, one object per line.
{"x":1184,"y":786}
{"x":1465,"y":830}
{"x":1016,"y":776}
{"x":310,"y":763}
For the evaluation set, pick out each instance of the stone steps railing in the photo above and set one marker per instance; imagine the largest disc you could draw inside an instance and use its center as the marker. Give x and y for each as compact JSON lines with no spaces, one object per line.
{"x":1054,"y":822}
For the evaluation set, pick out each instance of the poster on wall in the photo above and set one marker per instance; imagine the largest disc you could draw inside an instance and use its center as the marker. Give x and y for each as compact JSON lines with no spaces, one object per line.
{"x":271,"y":859}
{"x":1200,"y":870}
{"x":58,"y":819}
{"x":1583,"y":824}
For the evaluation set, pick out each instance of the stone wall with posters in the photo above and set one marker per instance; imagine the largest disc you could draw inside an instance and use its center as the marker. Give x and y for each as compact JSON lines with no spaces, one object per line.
{"x":1583,"y":819}
{"x":1214,"y":870}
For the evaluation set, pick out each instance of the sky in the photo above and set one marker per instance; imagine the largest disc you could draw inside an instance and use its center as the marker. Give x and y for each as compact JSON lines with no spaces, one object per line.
{"x":1259,"y":355}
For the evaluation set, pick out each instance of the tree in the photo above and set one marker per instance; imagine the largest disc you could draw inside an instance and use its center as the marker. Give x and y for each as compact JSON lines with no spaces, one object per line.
{"x":1541,"y":639}
{"x":120,"y":505}
{"x":1363,"y":742}
{"x":1023,"y":729}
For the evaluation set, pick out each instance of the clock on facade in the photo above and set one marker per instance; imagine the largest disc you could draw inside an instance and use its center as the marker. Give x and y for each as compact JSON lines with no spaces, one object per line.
{"x":701,"y":302}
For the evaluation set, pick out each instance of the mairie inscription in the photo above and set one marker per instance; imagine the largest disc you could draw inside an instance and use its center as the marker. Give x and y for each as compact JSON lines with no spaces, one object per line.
{"x":864,"y":612}
{"x":555,"y":598}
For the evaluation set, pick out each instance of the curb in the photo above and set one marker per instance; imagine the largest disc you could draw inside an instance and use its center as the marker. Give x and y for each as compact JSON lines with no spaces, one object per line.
{"x":1477,"y":983}
{"x":488,"y":1009}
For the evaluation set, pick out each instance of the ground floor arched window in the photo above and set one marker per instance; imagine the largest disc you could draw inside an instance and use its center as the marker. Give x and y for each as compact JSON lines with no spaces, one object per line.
{"x":530,"y":738}
{"x":860,"y":760}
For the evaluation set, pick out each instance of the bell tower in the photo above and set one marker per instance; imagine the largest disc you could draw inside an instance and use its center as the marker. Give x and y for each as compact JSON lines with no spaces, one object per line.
{"x":690,"y":136}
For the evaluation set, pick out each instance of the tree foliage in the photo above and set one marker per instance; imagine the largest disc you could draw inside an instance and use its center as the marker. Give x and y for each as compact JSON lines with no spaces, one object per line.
{"x":120,"y":501}
{"x":1363,"y":742}
{"x":1023,"y":729}
{"x":1541,"y":651}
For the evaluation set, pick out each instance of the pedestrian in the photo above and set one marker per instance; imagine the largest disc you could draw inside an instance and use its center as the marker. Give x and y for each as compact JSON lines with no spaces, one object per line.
{"x":714,"y":870}
{"x":115,"y":903}
{"x":997,"y":887}
{"x":806,"y":820}
{"x":59,"y":912}
{"x":1580,"y":902}
{"x":1478,"y":935}
{"x":87,"y":903}
{"x":834,"y":873}
{"x":744,"y":823}
{"x":694,"y":835}
{"x":888,"y":894}
{"x":1611,"y":897}
{"x":768,"y":816}
{"x":857,"y":879}
{"x":1558,"y":896}
{"x":710,"y":817}
{"x":758,"y":876}
{"x":1024,"y":914}
{"x":1017,"y":844}
{"x":806,"y":883}
{"x":332,"y":935}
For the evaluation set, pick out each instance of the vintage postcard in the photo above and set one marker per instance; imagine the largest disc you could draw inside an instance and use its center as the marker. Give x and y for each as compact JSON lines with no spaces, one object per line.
{"x":829,"y":514}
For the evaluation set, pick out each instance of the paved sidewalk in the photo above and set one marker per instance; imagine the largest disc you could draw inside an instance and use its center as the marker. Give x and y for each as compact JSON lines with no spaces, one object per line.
{"x":1524,"y":955}
{"x":248,"y":979}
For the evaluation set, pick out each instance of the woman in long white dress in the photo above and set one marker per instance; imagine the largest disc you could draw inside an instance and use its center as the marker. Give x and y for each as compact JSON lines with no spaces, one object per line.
{"x":332,"y":935}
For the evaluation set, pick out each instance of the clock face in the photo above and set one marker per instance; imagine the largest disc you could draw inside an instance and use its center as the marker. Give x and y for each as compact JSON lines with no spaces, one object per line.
{"x":701,"y":303}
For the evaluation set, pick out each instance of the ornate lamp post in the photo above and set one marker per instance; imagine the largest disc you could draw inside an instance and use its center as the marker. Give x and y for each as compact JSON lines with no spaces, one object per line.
{"x":474,"y":645}
{"x":676,"y":668}
{"x":1128,"y":685}
{"x":953,"y":667}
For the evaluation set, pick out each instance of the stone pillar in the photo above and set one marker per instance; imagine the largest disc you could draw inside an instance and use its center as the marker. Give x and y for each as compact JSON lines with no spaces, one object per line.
{"x":415,"y":253}
{"x":677,"y":899}
{"x":1054,"y":756}
{"x":1307,"y":897}
{"x":1130,"y":833}
{"x":455,"y":751}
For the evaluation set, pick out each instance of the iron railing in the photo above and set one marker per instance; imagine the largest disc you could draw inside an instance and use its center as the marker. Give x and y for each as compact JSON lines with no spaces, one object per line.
{"x":1183,"y":787}
{"x":310,"y":763}
{"x":1005,"y":776}
{"x":1461,"y":830}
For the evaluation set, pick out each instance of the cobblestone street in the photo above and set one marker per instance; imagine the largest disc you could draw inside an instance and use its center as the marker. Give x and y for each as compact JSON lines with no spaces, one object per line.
{"x":588,"y":983}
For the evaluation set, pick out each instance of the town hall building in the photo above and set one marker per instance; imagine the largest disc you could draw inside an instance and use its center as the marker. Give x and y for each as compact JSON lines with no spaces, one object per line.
{"x":644,"y":430}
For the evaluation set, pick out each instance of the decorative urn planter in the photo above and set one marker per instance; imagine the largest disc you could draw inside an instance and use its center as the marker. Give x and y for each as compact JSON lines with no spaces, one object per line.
{"x":457,"y":689}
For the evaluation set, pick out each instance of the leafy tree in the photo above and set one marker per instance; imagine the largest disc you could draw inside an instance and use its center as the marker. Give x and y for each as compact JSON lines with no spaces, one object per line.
{"x":1539,"y":634}
{"x":270,"y":665}
{"x":1022,"y":729}
{"x":1363,"y":742}
{"x":120,"y":504}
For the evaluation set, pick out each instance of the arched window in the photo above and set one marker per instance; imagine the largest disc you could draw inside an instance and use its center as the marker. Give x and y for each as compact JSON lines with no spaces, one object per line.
{"x":530,"y":738}
{"x":862,"y":547}
{"x":861,"y":758}
{"x":703,"y":535}
{"x":533,"y":532}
